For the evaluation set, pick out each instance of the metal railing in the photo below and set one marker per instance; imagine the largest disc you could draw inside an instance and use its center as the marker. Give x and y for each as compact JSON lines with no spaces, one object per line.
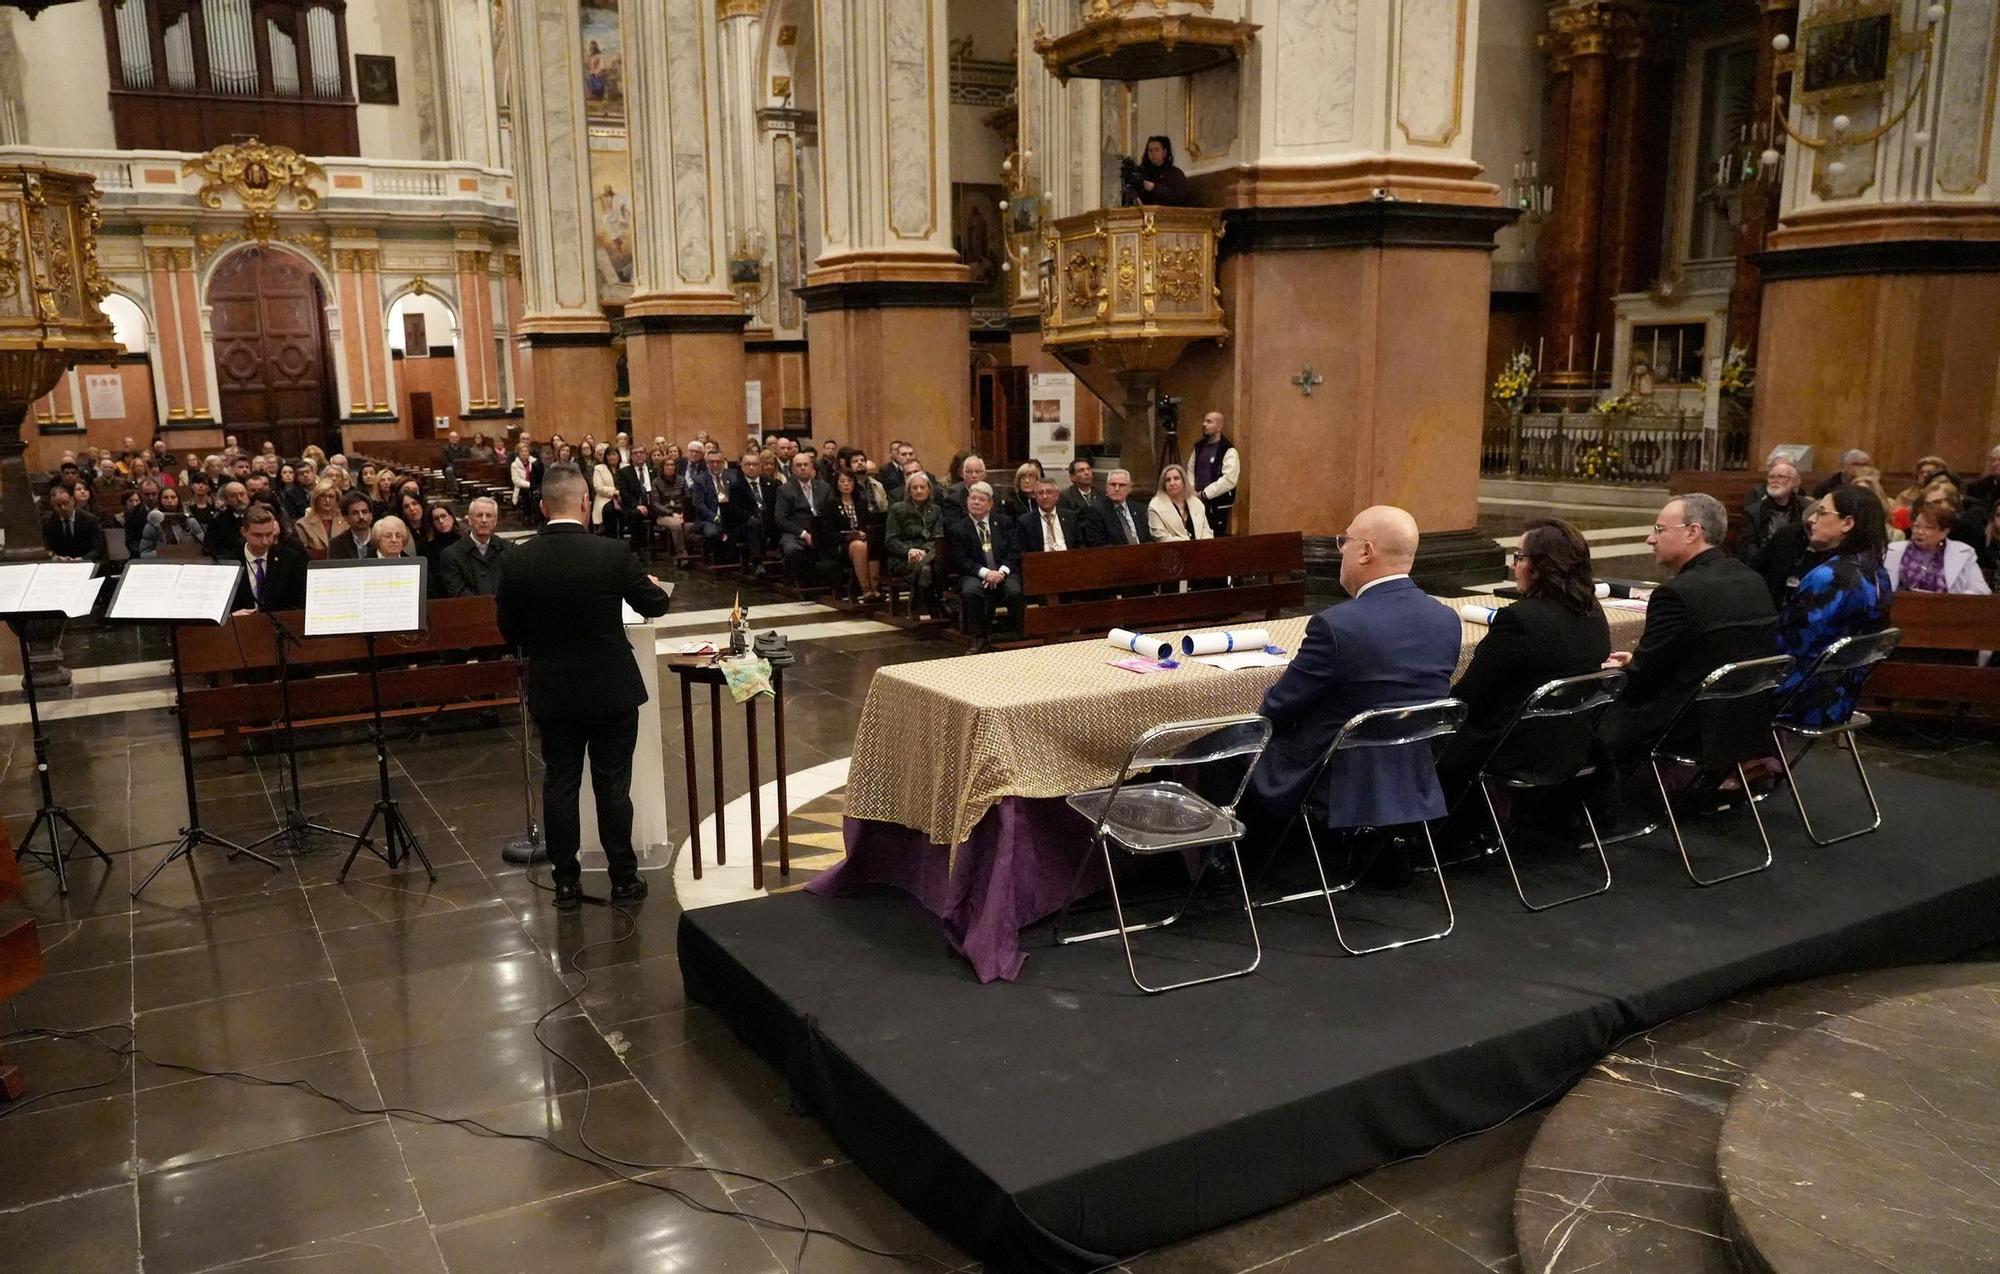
{"x":1639,"y":449}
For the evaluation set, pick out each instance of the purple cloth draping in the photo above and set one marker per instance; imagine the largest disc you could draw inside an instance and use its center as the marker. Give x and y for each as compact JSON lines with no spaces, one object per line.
{"x":1014,"y":870}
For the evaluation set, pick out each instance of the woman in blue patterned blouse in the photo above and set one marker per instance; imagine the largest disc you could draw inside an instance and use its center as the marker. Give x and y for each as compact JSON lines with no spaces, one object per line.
{"x":1844,"y":594}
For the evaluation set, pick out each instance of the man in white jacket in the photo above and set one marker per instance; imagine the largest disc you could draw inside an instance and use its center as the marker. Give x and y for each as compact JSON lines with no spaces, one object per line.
{"x":1216,"y":470}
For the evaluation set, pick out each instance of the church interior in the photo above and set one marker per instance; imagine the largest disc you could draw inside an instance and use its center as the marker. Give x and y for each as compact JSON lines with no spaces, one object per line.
{"x":1486,"y":264}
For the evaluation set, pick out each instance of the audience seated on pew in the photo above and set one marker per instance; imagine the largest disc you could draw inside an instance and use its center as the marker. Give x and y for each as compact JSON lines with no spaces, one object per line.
{"x":1715,"y":610}
{"x":1113,"y":520}
{"x":1556,"y":629}
{"x":1175,"y":511}
{"x":1081,"y":496}
{"x":321,"y":522}
{"x":358,"y":539}
{"x":1852,"y":463}
{"x":224,"y":538}
{"x":1049,"y":527}
{"x":1779,"y":503}
{"x":746,"y":509}
{"x":1843,"y":593}
{"x":850,"y":521}
{"x":1392,"y":645}
{"x":1931,"y":561}
{"x":168,"y":524}
{"x":800,"y":501}
{"x":972,"y":468}
{"x":988,"y":555}
{"x":911,"y":536}
{"x":391,"y":536}
{"x":440,"y":533}
{"x":70,"y":532}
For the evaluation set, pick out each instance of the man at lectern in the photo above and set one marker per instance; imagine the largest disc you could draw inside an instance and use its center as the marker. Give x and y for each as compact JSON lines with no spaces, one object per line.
{"x":558,"y":600}
{"x":274,"y":568}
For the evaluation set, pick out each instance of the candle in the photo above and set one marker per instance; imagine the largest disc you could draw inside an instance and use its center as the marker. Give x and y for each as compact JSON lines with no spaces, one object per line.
{"x":1541,"y":343}
{"x":1595,"y":342}
{"x":1569,"y":357}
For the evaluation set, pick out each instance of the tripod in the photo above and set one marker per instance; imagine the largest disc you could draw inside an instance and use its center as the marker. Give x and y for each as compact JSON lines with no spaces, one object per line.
{"x":296,"y":824}
{"x":50,"y":814}
{"x":399,"y":839}
{"x":193,"y":834}
{"x":527,"y":847}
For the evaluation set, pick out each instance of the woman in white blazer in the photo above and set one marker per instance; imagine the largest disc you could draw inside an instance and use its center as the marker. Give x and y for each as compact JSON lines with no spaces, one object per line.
{"x":1916,"y":563}
{"x":604,"y":489}
{"x":1176,"y":512}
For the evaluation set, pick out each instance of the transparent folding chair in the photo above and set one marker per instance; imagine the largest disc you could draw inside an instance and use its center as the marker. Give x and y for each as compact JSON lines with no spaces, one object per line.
{"x":1730,"y":714}
{"x":1847,"y":657}
{"x":1411,"y":726}
{"x":1162,"y":815}
{"x":1551,"y":742}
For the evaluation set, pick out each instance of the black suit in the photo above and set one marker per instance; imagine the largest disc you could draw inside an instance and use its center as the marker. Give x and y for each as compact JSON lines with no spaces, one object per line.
{"x":345,"y":548}
{"x":284,"y":579}
{"x":1079,"y":502}
{"x":1033,"y":535}
{"x":1104,"y":526}
{"x":1716,"y":611}
{"x":795,"y":517}
{"x":469,"y":574}
{"x":79,"y":536}
{"x":979,"y":600}
{"x":1536,"y":640}
{"x":633,"y":494}
{"x":744,"y":515}
{"x":558,"y":601}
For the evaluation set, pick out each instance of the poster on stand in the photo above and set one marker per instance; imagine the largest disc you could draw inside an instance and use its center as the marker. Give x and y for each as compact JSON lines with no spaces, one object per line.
{"x":1052,"y":419}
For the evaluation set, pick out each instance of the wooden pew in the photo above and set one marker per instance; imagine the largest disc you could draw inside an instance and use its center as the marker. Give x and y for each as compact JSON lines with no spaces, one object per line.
{"x":460,"y":662}
{"x":1939,"y":622}
{"x":1058,"y":585}
{"x":417,"y":453}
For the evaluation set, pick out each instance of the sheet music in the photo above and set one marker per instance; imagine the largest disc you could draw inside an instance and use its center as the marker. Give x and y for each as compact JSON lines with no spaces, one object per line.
{"x":39,"y":587}
{"x":175,"y":590}
{"x":84,"y":596}
{"x":373,"y":599}
{"x":13,"y":583}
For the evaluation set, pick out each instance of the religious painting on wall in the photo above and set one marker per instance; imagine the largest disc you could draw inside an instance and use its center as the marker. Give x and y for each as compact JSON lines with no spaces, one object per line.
{"x":978,"y":231}
{"x":603,"y":59}
{"x":374,"y":79}
{"x":1848,"y":55}
{"x":611,"y":212}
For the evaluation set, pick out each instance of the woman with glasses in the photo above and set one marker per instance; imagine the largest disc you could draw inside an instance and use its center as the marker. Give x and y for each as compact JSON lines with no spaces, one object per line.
{"x":1845,"y":594}
{"x":1555,"y":630}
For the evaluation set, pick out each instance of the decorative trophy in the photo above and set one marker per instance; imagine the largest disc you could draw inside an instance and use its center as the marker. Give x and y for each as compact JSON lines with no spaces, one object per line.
{"x":739,"y":628}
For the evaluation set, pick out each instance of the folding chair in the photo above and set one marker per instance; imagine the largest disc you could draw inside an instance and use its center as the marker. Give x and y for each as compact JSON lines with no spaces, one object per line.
{"x":1551,"y":742}
{"x":1162,"y":816}
{"x":1730,"y":713}
{"x":1381,"y":728}
{"x":1847,"y":657}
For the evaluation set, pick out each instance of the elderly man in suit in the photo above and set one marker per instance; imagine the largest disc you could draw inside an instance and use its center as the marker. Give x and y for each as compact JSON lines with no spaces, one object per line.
{"x":471,"y":567}
{"x":988,"y":554}
{"x":1114,"y":519}
{"x":801,"y":501}
{"x":1049,"y":527}
{"x":558,"y":600}
{"x":1715,"y":610}
{"x":1391,"y":646}
{"x":71,"y":534}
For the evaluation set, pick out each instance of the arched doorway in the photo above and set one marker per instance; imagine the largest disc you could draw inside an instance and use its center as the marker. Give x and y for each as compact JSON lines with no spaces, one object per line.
{"x":274,"y":374}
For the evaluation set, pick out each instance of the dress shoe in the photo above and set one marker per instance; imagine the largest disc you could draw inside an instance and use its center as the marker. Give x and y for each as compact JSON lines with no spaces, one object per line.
{"x":980,"y":645}
{"x":569,"y":896}
{"x":633,"y":890}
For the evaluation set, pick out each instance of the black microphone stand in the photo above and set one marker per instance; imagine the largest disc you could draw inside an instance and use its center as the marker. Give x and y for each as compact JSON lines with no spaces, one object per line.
{"x":527,"y":847}
{"x":296,"y":824}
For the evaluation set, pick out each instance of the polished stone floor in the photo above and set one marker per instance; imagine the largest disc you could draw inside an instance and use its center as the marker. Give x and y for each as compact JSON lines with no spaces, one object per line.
{"x":390,"y":991}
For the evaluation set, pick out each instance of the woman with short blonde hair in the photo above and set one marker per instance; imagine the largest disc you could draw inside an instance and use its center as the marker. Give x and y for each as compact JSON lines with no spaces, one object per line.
{"x":321,"y":520}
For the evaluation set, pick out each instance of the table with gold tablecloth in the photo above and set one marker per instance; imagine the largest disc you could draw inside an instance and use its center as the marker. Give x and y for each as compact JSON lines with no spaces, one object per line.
{"x":960,"y":765}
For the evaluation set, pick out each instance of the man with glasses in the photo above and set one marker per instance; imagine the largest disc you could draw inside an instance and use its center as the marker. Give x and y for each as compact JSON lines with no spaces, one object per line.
{"x":1715,"y":610}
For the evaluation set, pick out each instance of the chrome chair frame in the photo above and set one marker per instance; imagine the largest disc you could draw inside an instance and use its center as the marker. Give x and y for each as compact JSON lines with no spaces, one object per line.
{"x":1100,"y":805}
{"x":1771,"y":670}
{"x":1609,"y":682}
{"x":1449,"y":715}
{"x":1849,"y":654}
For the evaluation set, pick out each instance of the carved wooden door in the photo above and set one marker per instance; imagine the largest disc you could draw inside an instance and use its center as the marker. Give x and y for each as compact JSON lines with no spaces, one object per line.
{"x":268,"y":314}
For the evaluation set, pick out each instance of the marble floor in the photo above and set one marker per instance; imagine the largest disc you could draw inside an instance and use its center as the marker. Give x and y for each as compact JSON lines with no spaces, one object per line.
{"x":390,"y":991}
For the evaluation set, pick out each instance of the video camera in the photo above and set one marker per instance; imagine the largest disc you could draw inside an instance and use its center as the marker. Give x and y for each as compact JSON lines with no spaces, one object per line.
{"x":1130,"y":183}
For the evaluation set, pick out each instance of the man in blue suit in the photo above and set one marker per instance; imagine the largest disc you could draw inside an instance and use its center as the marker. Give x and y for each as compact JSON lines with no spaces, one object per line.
{"x":1392,"y":645}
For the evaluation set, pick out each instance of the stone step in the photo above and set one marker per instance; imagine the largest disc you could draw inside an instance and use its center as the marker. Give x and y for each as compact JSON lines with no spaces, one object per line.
{"x":1622,"y":1173}
{"x":1872,"y":1142}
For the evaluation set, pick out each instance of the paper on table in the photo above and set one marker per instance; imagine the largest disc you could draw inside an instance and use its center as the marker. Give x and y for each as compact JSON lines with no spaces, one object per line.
{"x":367,"y":599}
{"x":1231,"y":661}
{"x":1225,"y":643}
{"x":175,"y":590}
{"x":1141,"y":664}
{"x":1140,"y":643}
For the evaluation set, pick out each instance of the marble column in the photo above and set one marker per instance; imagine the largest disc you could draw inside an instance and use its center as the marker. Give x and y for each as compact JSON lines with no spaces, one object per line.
{"x":888,"y":303}
{"x":473,"y":262}
{"x":1637,"y":134}
{"x":683,"y":325}
{"x":568,"y":370}
{"x":1579,"y":46}
{"x":468,"y":78}
{"x":1882,"y":277}
{"x":739,"y":43}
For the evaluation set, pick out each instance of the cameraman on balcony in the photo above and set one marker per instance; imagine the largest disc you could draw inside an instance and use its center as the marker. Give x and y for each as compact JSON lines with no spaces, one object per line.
{"x":1154,"y":180}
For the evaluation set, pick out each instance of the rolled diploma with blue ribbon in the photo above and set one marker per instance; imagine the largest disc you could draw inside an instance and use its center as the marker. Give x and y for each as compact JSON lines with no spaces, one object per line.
{"x":1474,"y":614}
{"x":1225,"y":643}
{"x":1141,"y":644}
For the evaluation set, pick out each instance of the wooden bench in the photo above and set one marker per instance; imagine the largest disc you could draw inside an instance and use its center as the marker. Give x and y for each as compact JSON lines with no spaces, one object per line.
{"x":1939,"y":622}
{"x":1064,"y":590}
{"x":460,"y":662}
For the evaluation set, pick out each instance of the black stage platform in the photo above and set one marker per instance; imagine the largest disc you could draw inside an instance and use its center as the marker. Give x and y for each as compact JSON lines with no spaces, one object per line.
{"x":1066,"y":1119}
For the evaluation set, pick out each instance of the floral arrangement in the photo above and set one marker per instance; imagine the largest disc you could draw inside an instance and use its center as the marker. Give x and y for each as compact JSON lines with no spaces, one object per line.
{"x":1620,"y":405}
{"x":1515,"y":381}
{"x":1738,"y":377}
{"x":1601,"y":459}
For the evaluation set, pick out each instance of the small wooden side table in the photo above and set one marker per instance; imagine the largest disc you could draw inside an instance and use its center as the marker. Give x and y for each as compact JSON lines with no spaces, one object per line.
{"x":702,"y":669}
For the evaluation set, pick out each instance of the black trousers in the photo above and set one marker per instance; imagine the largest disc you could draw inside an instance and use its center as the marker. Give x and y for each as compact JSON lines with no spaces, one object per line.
{"x":608,"y":742}
{"x":980,"y":602}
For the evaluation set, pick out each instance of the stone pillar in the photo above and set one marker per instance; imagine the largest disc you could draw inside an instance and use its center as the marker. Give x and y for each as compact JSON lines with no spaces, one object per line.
{"x":739,"y":41}
{"x":473,"y":262}
{"x":888,"y":304}
{"x":363,"y":335}
{"x":1637,"y":134}
{"x":1355,"y":277}
{"x":568,"y":370}
{"x":471,"y":101}
{"x":1579,"y":45}
{"x":1882,"y":279}
{"x":683,"y":325}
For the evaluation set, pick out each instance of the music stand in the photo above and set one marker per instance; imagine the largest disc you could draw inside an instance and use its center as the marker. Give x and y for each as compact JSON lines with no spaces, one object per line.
{"x":30,"y":591}
{"x":178,"y":594}
{"x":296,"y":824}
{"x":367,"y":598}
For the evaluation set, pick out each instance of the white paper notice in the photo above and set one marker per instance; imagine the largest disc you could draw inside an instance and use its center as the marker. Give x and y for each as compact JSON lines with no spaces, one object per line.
{"x":365,"y":599}
{"x":54,"y":586}
{"x":1243,"y":659}
{"x":175,"y":590}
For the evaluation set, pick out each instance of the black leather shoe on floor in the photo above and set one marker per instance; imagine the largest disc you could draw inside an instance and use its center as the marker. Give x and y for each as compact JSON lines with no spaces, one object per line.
{"x":631,"y":890}
{"x":569,"y":897}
